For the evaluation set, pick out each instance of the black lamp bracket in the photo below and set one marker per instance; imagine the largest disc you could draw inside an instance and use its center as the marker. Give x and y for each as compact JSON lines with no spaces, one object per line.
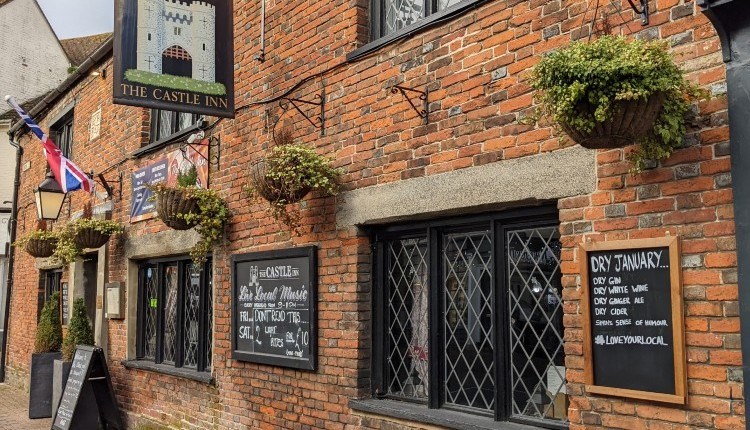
{"x":105,"y":183}
{"x":424,"y":111}
{"x":318,"y":122}
{"x":643,"y":11}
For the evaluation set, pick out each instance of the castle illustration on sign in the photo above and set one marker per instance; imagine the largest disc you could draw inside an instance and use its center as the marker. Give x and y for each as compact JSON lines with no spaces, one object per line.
{"x":176,"y":46}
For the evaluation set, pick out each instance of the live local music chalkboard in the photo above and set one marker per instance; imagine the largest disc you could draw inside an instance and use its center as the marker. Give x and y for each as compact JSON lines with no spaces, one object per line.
{"x":88,"y":398}
{"x":632,"y":314}
{"x":274,"y":297}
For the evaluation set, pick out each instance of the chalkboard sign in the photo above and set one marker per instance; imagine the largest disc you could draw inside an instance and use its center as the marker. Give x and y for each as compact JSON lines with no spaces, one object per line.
{"x":274,"y":296}
{"x":64,"y":303}
{"x":632,"y":314}
{"x":88,"y":397}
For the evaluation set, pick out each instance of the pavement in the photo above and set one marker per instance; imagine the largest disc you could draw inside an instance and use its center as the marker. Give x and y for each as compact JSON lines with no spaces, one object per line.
{"x":14,"y":411}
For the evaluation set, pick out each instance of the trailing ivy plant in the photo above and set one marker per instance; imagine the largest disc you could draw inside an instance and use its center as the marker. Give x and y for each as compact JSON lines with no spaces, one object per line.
{"x":49,"y":330}
{"x":40,"y":233}
{"x":67,"y":251}
{"x":611,"y":69}
{"x":212,"y":215}
{"x":290,"y":171}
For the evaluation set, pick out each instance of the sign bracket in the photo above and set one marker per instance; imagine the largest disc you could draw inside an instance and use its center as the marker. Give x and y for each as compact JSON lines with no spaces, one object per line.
{"x":211,"y":143}
{"x":318,"y":122}
{"x":424,"y":111}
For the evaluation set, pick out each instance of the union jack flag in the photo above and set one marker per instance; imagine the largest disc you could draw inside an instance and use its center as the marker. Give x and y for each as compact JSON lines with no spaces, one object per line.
{"x":68,"y":175}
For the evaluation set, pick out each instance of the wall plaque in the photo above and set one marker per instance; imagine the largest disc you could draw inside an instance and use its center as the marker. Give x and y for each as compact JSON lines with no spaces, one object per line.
{"x":633,"y":320}
{"x":274,"y":296}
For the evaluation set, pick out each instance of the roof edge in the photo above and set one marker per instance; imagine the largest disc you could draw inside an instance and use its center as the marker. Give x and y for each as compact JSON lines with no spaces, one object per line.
{"x":70,"y":81}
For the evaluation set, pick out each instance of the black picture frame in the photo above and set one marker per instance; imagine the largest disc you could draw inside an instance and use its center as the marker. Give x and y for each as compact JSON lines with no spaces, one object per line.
{"x":309,"y":363}
{"x":150,"y":90}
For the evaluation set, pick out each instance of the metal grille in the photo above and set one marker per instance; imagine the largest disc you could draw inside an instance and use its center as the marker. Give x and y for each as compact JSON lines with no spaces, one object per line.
{"x":536,"y":324}
{"x":170,"y":313}
{"x":191,"y":297}
{"x":149,"y":317}
{"x":408,"y":329}
{"x":400,"y":13}
{"x":210,"y":314}
{"x":469,"y":352}
{"x":177,"y":52}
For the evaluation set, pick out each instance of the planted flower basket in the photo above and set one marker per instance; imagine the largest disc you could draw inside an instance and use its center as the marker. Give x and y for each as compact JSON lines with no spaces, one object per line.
{"x":273,"y":189}
{"x":289,"y":172}
{"x":173,"y":202}
{"x":613,"y":92}
{"x":631,"y":121}
{"x":89,"y":237}
{"x":41,"y":247}
{"x":40,"y":243}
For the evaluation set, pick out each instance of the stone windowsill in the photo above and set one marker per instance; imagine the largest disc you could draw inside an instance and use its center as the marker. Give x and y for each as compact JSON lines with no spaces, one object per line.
{"x":203,"y":377}
{"x":438,"y":417}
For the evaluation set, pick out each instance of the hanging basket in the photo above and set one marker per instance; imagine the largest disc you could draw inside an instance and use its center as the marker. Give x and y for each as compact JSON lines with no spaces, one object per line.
{"x":271,"y":190}
{"x":41,"y":248}
{"x":631,"y":121}
{"x":90,"y":238}
{"x":171,"y":202}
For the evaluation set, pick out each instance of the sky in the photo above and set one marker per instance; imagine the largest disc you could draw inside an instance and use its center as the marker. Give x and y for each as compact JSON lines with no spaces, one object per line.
{"x":75,"y":18}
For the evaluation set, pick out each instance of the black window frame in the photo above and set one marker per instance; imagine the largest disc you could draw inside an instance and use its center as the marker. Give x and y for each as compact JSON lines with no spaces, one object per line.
{"x":497,"y":224}
{"x":176,"y":131}
{"x":48,"y":280}
{"x":205,"y":337}
{"x":62,"y":133}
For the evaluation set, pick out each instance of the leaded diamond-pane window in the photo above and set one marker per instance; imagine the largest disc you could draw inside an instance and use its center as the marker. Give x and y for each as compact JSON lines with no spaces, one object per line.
{"x":407,"y":318}
{"x":391,"y":16}
{"x":536,"y":323}
{"x":468,"y":316}
{"x":469,"y":352}
{"x":175,"y":314}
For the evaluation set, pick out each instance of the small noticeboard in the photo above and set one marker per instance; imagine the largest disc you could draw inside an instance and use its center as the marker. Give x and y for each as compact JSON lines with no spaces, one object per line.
{"x":274,"y":296}
{"x":633,"y":337}
{"x":89,"y":389}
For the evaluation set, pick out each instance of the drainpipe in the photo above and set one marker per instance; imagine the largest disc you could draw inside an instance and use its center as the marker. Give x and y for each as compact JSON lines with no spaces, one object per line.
{"x":731,"y":18}
{"x":11,"y":256}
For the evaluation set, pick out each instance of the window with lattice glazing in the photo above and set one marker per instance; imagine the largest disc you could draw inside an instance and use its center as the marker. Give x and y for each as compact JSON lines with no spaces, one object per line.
{"x":469,"y":316}
{"x":391,"y":16}
{"x":175,"y":314}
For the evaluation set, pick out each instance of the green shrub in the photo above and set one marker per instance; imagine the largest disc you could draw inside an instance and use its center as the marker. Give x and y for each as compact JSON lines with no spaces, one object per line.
{"x":49,"y":331}
{"x":608,"y":70}
{"x":79,"y":330}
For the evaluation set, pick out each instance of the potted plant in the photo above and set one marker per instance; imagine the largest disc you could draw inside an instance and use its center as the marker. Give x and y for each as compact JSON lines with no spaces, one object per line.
{"x":82,"y":233}
{"x":40,"y":243}
{"x":173,"y":203}
{"x":208,"y":215}
{"x":46,"y":351}
{"x":614,"y":92}
{"x":79,"y":333}
{"x":287,"y":174}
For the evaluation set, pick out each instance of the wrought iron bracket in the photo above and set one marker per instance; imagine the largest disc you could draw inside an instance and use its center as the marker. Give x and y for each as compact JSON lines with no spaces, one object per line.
{"x":105,"y":183}
{"x":318,"y":122}
{"x":213,"y":143}
{"x":424,"y":96}
{"x":643,"y":11}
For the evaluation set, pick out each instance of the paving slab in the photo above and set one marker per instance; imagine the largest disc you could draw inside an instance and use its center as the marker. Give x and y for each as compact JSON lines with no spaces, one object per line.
{"x":14,"y":411}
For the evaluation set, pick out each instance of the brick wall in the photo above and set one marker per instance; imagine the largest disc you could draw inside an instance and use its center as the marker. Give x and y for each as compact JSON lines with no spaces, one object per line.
{"x":476,"y":67}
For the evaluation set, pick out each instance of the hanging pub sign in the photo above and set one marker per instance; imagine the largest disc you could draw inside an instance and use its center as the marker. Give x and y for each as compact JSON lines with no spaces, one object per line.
{"x":166,"y":170}
{"x":175,"y":55}
{"x":274,"y":295}
{"x":633,"y":336}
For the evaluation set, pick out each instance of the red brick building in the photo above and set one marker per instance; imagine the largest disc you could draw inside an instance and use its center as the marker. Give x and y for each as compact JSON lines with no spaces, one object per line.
{"x":451,"y":207}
